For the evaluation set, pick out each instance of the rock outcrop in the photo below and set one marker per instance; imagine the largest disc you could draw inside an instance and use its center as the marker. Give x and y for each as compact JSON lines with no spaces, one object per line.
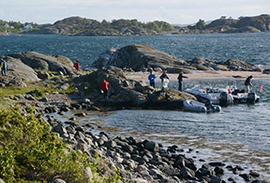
{"x":33,"y":66}
{"x":129,"y":93}
{"x":238,"y":65}
{"x":136,"y":56}
{"x":45,"y":62}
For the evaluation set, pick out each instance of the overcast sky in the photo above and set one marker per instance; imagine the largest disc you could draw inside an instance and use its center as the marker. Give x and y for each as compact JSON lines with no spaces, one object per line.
{"x":172,"y":11}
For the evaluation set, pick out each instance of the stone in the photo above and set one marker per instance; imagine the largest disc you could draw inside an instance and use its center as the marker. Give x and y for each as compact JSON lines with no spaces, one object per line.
{"x":57,"y":181}
{"x":82,"y":114}
{"x":186,"y":173}
{"x":215,"y":179}
{"x":219,"y":171}
{"x":151,"y":146}
{"x":43,"y":75}
{"x":110,"y":144}
{"x":246,"y":177}
{"x":216,"y":164}
{"x":60,"y":129}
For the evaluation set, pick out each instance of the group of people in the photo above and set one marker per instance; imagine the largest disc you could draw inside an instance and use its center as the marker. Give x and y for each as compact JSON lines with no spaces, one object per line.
{"x":165,"y":79}
{"x":3,"y":67}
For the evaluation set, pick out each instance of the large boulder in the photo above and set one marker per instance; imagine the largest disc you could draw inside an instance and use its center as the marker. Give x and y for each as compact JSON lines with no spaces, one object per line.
{"x":19,"y":70}
{"x":45,"y":62}
{"x":135,"y":57}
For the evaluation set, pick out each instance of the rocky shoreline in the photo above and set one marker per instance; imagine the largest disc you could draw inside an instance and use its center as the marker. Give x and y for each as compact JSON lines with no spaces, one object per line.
{"x":139,"y":160}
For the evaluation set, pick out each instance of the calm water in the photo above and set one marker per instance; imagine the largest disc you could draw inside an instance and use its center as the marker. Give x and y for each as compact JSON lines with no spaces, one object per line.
{"x":254,"y":48}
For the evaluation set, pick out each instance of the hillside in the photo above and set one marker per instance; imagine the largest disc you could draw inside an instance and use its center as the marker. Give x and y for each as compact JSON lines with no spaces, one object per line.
{"x":78,"y":26}
{"x":259,"y":23}
{"x":89,"y":27}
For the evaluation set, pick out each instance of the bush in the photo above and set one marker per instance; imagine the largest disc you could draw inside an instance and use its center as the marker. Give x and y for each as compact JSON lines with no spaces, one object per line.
{"x":35,"y":93}
{"x":29,"y":152}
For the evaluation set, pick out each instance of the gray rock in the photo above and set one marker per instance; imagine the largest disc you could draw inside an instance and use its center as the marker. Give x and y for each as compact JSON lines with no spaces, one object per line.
{"x":1,"y":181}
{"x":110,"y":144}
{"x":151,"y":146}
{"x":57,"y":181}
{"x":246,"y":177}
{"x":82,"y":114}
{"x":219,"y":171}
{"x":45,"y":62}
{"x":215,"y":179}
{"x":60,"y":129}
{"x":43,"y":75}
{"x":135,"y":56}
{"x":186,"y":173}
{"x":88,"y":173}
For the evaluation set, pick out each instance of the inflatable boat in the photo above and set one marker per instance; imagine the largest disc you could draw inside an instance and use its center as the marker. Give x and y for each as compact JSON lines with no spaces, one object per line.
{"x":240,"y":96}
{"x":214,"y":95}
{"x":195,"y":106}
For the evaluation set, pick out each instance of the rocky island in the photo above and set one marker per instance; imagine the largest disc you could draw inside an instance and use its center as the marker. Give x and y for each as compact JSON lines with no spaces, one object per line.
{"x":40,"y":85}
{"x":78,"y":26}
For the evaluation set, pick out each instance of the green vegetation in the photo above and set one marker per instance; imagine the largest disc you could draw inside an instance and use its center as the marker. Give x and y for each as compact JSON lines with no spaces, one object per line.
{"x":16,"y":27}
{"x":30,"y":153}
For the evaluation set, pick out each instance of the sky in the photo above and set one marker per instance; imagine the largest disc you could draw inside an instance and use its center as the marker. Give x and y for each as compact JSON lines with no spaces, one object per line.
{"x":172,"y":11}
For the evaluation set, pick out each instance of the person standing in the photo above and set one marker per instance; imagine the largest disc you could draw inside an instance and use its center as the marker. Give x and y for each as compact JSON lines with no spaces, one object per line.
{"x":248,"y":83}
{"x":4,"y":67}
{"x":152,"y":79}
{"x":105,"y":87}
{"x":76,"y":65}
{"x":180,"y":80}
{"x":164,"y":79}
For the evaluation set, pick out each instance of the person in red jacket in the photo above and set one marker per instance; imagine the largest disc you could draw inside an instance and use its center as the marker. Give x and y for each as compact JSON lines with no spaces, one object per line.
{"x":76,"y":65}
{"x":105,"y":87}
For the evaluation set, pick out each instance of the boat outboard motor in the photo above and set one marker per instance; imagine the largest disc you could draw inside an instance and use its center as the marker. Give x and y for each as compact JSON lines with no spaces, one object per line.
{"x":223,"y":99}
{"x":251,"y":98}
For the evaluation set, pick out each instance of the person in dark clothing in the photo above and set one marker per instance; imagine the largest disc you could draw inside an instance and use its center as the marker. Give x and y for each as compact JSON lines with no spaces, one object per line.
{"x":180,"y":80}
{"x":164,"y":77}
{"x":3,"y":67}
{"x":248,"y":83}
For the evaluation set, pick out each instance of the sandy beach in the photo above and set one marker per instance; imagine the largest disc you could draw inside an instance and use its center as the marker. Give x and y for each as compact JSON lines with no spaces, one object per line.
{"x":143,"y":76}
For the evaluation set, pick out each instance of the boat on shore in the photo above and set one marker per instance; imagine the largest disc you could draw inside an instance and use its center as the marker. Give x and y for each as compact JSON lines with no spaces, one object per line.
{"x":195,"y":106}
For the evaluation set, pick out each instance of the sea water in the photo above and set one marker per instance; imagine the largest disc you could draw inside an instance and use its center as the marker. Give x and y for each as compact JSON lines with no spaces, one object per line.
{"x":250,"y":47}
{"x":238,"y":134}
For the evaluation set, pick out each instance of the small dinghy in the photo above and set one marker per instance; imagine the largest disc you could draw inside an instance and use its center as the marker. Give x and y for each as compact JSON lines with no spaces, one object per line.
{"x":241,"y":96}
{"x":215,"y":95}
{"x":195,"y":106}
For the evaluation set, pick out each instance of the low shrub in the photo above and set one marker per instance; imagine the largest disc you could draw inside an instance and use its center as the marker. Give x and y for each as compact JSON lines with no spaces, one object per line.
{"x":29,"y":152}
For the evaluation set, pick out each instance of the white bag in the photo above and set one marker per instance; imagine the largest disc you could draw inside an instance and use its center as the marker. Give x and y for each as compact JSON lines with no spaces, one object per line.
{"x":165,"y":83}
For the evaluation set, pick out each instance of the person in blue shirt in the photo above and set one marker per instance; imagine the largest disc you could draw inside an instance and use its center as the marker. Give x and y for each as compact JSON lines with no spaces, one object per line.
{"x":152,"y":79}
{"x":4,"y":67}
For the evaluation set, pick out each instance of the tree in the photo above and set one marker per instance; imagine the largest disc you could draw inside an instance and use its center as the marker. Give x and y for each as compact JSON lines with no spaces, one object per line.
{"x":200,"y":25}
